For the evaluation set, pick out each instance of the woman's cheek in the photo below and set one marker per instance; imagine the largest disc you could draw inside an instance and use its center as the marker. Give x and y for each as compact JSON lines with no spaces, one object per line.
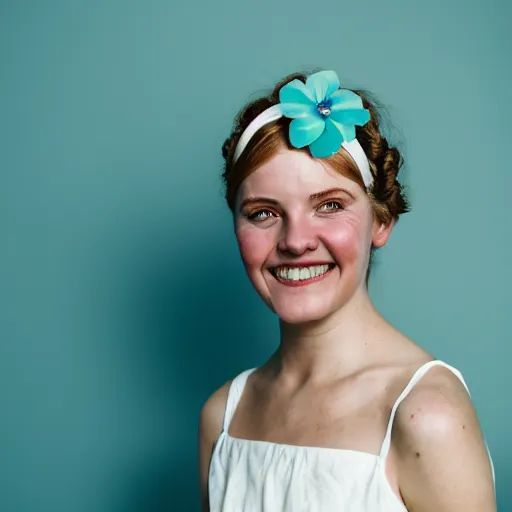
{"x":345,"y":242}
{"x":255,"y":245}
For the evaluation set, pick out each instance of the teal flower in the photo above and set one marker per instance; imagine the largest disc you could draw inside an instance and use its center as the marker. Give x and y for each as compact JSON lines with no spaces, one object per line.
{"x":324,"y":116}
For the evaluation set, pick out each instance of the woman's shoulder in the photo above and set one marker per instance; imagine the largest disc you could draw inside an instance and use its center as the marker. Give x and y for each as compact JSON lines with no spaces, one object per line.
{"x":442,"y":457}
{"x":437,"y":389}
{"x":211,"y":420}
{"x":431,"y":398}
{"x":437,"y":402}
{"x":212,"y":413}
{"x":440,"y":447}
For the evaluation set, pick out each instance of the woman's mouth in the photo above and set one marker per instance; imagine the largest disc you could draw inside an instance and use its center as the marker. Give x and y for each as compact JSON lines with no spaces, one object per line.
{"x":301,"y":275}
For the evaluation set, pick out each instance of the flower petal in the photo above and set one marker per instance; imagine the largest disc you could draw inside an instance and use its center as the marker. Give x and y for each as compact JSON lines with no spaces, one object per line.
{"x":359,"y":116}
{"x":322,"y":84}
{"x":344,"y":98}
{"x":305,"y":130}
{"x":295,"y":92}
{"x":329,"y":142}
{"x":348,"y":131}
{"x":294,"y":110}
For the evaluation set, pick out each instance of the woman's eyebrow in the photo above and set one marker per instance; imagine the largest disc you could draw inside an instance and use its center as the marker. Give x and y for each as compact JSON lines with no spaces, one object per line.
{"x":250,"y":200}
{"x":313,"y":197}
{"x":331,"y":191}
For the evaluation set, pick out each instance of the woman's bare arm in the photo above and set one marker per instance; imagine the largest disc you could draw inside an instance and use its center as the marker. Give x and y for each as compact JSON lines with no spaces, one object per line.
{"x":210,"y":427}
{"x":442,"y":460}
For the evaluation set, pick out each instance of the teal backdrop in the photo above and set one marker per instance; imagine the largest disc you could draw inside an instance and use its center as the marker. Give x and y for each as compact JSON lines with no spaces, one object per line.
{"x":123,"y":300}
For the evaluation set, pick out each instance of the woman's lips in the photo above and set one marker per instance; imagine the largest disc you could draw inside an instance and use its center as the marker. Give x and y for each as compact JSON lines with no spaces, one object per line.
{"x":301,"y":274}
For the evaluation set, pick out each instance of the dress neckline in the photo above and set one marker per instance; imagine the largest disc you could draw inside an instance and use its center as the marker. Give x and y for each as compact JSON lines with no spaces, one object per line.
{"x":301,"y":447}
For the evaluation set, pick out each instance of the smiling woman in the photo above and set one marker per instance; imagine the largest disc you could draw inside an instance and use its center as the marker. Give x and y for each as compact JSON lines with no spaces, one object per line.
{"x":349,"y":413}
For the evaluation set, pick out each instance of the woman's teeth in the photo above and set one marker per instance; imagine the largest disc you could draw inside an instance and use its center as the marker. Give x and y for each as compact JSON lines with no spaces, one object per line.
{"x":300,"y":274}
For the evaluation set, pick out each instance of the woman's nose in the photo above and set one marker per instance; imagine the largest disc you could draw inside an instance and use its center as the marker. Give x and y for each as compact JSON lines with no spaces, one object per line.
{"x":297,"y":237}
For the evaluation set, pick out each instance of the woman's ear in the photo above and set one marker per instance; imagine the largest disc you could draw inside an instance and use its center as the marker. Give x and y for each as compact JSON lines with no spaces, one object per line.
{"x":381,"y":233}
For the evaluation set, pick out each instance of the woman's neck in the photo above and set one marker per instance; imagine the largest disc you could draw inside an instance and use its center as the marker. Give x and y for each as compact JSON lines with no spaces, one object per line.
{"x":345,"y":342}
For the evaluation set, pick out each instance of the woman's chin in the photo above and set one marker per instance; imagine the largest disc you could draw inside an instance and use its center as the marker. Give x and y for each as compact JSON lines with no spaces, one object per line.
{"x":301,"y":314}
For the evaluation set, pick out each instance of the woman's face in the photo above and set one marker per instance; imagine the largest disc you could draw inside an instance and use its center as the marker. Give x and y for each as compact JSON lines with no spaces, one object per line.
{"x":305,"y":234}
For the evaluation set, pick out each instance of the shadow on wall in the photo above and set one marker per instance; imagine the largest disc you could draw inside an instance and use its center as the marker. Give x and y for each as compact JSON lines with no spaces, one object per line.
{"x":200,"y":324}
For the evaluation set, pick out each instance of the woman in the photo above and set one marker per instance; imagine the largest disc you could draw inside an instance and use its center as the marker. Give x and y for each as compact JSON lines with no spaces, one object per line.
{"x":348,"y":414}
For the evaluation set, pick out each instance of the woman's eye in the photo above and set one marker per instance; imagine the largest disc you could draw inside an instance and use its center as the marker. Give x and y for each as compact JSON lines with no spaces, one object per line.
{"x":260,"y":215}
{"x":331,"y":205}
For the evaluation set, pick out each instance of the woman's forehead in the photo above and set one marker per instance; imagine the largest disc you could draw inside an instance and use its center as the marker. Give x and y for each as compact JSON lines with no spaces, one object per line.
{"x":294,"y":173}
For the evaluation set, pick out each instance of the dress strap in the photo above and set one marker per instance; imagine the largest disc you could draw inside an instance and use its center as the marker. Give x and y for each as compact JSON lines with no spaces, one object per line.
{"x":422,"y":370}
{"x":236,"y":390}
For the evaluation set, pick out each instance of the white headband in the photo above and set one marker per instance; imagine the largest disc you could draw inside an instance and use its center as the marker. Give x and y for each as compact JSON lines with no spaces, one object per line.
{"x":274,"y":113}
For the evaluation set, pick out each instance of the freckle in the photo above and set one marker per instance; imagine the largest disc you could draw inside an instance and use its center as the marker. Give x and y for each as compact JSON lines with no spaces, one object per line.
{"x":417,"y":455}
{"x":463,"y":426}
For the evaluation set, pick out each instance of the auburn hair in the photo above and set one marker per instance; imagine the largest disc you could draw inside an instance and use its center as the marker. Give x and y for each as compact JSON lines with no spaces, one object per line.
{"x":386,"y":193}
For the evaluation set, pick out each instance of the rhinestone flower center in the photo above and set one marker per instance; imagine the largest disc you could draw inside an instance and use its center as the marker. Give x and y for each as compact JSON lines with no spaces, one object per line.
{"x":324,"y":108}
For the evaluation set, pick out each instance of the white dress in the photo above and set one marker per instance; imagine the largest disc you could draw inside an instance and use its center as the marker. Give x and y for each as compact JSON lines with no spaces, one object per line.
{"x":260,"y":476}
